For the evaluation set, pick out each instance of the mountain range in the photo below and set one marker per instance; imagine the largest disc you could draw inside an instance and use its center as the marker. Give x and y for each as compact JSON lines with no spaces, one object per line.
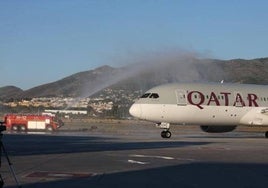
{"x":141,"y":76}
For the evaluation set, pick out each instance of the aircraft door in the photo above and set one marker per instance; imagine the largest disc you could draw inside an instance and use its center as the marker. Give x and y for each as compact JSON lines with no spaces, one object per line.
{"x":181,"y":97}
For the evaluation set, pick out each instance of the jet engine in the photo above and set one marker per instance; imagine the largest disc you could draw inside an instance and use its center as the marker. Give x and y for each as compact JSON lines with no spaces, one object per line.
{"x":217,"y":129}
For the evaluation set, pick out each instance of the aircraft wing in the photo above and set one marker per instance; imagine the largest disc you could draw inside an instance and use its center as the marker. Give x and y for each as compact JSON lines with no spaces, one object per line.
{"x":256,"y":116}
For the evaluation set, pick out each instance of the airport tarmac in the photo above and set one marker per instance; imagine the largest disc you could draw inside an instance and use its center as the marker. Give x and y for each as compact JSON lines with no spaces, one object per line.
{"x":136,"y":156}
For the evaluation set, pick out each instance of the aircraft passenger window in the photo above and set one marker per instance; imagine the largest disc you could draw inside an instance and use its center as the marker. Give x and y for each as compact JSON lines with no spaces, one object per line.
{"x":154,"y":96}
{"x":145,"y":95}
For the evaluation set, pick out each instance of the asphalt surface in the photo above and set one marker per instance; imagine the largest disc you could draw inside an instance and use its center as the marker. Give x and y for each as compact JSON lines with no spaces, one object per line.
{"x":136,"y":158}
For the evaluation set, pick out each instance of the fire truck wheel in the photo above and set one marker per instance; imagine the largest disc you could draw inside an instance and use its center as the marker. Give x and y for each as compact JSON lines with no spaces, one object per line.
{"x":49,"y":128}
{"x":22,"y":128}
{"x":14,"y":127}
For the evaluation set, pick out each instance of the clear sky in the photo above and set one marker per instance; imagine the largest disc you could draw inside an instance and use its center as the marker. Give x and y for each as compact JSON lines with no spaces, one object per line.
{"x":43,"y":41}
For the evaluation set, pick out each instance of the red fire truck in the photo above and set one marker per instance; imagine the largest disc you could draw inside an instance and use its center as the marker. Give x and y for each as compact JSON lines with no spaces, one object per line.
{"x":24,"y":122}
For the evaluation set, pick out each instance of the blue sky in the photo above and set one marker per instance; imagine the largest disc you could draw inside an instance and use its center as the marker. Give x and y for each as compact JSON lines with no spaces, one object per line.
{"x":43,"y":41}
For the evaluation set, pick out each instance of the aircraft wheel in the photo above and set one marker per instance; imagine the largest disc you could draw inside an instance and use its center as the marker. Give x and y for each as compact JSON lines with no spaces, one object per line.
{"x":165,"y":134}
{"x":266,"y":134}
{"x":168,"y":134}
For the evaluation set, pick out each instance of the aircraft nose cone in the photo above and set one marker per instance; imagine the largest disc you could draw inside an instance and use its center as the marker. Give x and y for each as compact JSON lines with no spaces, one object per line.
{"x":135,"y":110}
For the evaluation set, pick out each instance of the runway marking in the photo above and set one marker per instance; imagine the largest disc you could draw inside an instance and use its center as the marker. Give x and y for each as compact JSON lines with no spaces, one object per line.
{"x":185,"y":159}
{"x":46,"y":174}
{"x":213,"y":148}
{"x":162,"y":157}
{"x":153,"y":156}
{"x":137,"y":162}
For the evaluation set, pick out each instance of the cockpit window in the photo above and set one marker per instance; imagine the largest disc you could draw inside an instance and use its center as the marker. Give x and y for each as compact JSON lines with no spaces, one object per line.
{"x":145,"y":95}
{"x":150,"y":95}
{"x":154,"y":96}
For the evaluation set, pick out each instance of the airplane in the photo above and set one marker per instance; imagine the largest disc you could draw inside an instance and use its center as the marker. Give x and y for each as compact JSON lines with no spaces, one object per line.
{"x":215,"y":107}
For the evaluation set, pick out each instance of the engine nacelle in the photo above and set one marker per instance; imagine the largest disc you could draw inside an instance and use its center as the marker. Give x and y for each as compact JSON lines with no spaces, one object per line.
{"x":217,"y":129}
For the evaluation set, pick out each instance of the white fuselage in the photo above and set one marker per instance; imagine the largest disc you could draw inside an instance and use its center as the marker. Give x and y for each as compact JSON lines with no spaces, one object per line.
{"x":204,"y":104}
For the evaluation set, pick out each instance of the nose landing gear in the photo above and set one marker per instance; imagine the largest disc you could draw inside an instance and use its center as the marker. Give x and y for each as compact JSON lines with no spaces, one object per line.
{"x":165,"y":133}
